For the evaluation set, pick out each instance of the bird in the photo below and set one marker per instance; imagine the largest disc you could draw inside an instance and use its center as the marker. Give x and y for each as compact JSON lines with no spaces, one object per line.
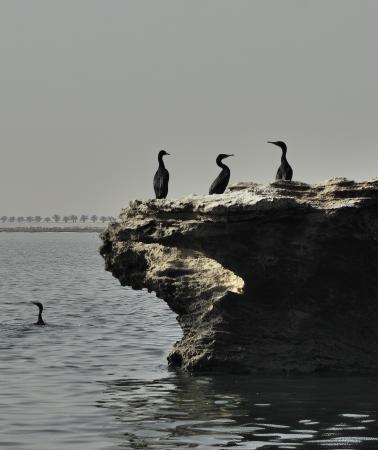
{"x":221,"y":181}
{"x":161,"y":178}
{"x":40,"y":321}
{"x":284,"y":172}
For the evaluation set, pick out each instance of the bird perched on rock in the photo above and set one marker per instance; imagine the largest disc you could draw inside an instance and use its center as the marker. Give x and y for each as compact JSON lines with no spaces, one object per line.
{"x":284,"y":172}
{"x":221,"y":181}
{"x":40,"y":321}
{"x":161,"y":178}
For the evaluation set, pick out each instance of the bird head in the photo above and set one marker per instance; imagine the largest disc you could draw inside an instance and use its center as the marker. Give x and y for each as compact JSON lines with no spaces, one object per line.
{"x":162,"y":153}
{"x":39,"y":304}
{"x":280,"y":144}
{"x":222,"y":156}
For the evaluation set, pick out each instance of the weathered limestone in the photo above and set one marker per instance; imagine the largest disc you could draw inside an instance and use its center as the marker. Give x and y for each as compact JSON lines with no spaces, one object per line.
{"x":277,"y":278}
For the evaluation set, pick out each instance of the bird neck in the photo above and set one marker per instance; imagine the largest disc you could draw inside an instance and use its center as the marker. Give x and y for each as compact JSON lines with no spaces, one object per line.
{"x":222,"y":165}
{"x":283,"y":156}
{"x":161,"y":162}
{"x":40,"y":320}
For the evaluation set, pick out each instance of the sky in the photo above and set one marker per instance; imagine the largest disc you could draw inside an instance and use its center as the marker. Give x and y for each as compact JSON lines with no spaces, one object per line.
{"x":92,"y":90}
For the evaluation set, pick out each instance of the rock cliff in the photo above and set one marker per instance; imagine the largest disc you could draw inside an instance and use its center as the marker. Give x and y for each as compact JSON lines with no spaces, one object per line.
{"x":277,"y":278}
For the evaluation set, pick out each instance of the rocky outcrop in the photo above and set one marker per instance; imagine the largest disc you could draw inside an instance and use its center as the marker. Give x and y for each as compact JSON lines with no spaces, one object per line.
{"x":271,"y":278}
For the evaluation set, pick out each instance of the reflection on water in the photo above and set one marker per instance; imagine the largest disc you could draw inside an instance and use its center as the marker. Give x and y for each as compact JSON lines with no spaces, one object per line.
{"x":181,"y":411}
{"x":96,"y":377}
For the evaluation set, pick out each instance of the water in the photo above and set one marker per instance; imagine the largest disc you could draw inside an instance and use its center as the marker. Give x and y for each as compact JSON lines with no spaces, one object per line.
{"x":96,"y":376}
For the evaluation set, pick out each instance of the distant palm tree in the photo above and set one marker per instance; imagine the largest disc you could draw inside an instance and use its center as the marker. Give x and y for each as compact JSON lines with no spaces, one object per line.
{"x":20,"y":219}
{"x":37,"y":219}
{"x":29,"y":219}
{"x":56,"y":217}
{"x":74,"y":218}
{"x":11,"y":219}
{"x":83,"y":218}
{"x":103,"y":219}
{"x":4,"y":218}
{"x":65,"y":219}
{"x":111,"y":219}
{"x":47,"y":219}
{"x":94,"y":218}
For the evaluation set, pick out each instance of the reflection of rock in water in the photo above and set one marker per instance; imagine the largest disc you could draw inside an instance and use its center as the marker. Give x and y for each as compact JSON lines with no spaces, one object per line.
{"x":248,"y":413}
{"x":278,"y":278}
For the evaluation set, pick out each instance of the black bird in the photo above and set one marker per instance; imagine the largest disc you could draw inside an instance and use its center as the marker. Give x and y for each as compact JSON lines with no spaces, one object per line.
{"x":40,"y":320}
{"x":221,"y":181}
{"x":284,"y":172}
{"x":161,"y":177}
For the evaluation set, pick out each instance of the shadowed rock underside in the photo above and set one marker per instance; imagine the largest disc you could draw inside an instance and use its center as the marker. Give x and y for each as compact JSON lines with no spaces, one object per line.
{"x":277,"y":278}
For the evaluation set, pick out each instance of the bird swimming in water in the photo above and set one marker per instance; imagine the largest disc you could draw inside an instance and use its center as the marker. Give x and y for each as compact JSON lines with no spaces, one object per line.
{"x":221,"y":181}
{"x":161,"y":177}
{"x":284,"y":172}
{"x":40,"y":321}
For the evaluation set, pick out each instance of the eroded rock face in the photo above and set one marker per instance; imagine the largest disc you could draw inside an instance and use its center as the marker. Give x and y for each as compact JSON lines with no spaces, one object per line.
{"x":271,"y":278}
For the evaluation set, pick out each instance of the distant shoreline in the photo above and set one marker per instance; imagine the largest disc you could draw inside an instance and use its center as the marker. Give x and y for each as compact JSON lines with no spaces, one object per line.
{"x":52,"y":229}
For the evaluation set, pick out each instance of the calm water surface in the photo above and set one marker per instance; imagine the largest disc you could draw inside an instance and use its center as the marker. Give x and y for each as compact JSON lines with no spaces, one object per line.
{"x":96,"y":376}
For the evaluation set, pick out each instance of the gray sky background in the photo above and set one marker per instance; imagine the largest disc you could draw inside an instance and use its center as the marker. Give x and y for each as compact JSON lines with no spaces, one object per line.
{"x":91,"y":90}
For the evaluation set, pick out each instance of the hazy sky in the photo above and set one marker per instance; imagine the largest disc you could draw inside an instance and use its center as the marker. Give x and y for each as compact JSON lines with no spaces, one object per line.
{"x":91,"y":90}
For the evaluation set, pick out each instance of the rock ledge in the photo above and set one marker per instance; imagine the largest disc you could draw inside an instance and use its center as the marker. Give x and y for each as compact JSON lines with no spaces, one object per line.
{"x":277,"y":278}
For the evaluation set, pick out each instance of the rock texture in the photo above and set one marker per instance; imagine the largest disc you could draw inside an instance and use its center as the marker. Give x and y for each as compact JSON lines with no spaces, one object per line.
{"x":277,"y":278}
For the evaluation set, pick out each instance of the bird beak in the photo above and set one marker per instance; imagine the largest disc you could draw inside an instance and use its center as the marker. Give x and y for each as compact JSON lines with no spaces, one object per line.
{"x":230,"y":155}
{"x":168,"y":154}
